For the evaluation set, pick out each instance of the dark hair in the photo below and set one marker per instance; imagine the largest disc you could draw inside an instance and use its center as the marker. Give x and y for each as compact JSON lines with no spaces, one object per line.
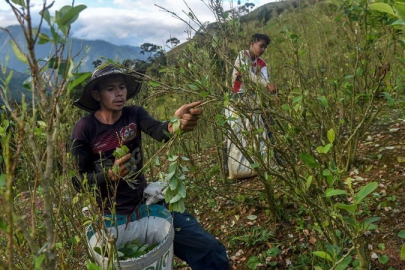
{"x":257,"y":37}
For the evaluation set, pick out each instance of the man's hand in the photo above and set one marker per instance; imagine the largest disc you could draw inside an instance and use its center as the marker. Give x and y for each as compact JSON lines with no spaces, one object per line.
{"x":120,"y":168}
{"x":188,"y":116}
{"x":271,"y":88}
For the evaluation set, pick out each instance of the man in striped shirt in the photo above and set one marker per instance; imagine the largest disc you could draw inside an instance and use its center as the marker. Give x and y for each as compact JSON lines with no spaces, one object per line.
{"x":250,"y":63}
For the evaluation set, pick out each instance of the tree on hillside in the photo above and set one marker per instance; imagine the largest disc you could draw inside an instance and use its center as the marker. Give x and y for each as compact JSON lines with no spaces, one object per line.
{"x":173,"y":42}
{"x":96,"y":63}
{"x":245,"y":9}
{"x":150,"y":49}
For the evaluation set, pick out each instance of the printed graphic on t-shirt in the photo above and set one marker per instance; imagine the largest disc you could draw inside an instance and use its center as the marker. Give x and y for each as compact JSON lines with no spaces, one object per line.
{"x":128,"y":132}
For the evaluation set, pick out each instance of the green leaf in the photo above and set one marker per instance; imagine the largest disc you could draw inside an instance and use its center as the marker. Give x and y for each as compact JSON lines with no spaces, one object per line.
{"x":67,"y":15}
{"x":193,"y":86}
{"x":154,"y":84}
{"x":56,"y":37}
{"x":324,"y":149}
{"x":326,"y":172}
{"x":309,"y":181}
{"x":286,"y":107}
{"x":119,"y":152}
{"x":323,"y":101}
{"x":351,"y":208}
{"x":251,"y":217}
{"x":175,"y":124}
{"x":254,"y":165}
{"x":168,"y":194}
{"x":297,"y":99}
{"x":364,"y":191}
{"x":334,"y":192}
{"x":323,"y":255}
{"x":169,"y":175}
{"x":403,"y":252}
{"x":309,"y":160}
{"x":398,"y":22}
{"x":332,"y":167}
{"x":81,"y":77}
{"x":368,"y":223}
{"x":383,"y":259}
{"x":253,"y":262}
{"x":345,"y":263}
{"x":2,"y":180}
{"x":43,"y":38}
{"x":3,"y":225}
{"x":45,"y":14}
{"x":181,"y":190}
{"x":65,"y":68}
{"x":177,"y":206}
{"x":400,"y":10}
{"x":382,"y":7}
{"x":27,"y":83}
{"x":401,"y":234}
{"x":273,"y":252}
{"x":331,"y":135}
{"x":19,"y":2}
{"x":173,"y":183}
{"x":20,"y":55}
{"x":39,"y":260}
{"x":157,"y":161}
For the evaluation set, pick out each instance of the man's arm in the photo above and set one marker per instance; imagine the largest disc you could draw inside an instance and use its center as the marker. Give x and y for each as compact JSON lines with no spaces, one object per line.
{"x":84,"y":164}
{"x":237,"y":73}
{"x":95,"y":176}
{"x":156,"y":129}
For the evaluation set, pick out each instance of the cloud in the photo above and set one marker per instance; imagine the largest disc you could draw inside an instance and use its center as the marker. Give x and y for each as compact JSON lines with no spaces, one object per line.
{"x":120,"y":26}
{"x":134,"y":22}
{"x":130,"y":22}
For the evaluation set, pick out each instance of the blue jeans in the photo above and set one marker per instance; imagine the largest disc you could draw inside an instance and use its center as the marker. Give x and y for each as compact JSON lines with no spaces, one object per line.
{"x":196,"y":246}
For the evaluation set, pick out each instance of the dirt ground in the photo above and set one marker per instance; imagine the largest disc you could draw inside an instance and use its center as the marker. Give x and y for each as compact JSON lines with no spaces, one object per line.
{"x":381,"y":158}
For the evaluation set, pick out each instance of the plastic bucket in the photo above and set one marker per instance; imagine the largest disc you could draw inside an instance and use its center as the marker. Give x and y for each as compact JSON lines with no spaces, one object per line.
{"x":149,"y":226}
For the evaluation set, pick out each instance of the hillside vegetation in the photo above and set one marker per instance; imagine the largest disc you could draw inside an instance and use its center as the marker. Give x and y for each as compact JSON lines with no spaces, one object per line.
{"x":15,"y":85}
{"x":333,"y":199}
{"x":88,"y":50}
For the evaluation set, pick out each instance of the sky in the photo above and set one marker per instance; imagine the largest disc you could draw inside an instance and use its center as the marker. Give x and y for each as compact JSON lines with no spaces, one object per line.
{"x":129,"y":22}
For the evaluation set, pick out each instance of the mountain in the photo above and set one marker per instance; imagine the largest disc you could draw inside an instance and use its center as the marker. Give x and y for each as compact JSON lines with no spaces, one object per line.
{"x":15,"y":85}
{"x":98,"y":48}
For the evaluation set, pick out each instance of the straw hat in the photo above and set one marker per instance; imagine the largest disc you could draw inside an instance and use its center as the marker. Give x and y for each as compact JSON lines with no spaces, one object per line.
{"x":133,"y":82}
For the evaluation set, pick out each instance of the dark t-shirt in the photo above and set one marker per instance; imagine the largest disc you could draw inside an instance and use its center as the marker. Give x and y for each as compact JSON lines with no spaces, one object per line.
{"x":93,"y":147}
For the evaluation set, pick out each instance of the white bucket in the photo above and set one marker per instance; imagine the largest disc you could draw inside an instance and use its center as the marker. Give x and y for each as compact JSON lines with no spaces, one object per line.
{"x":153,"y":225}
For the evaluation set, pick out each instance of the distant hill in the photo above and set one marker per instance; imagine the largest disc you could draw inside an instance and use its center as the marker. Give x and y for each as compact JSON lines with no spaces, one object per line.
{"x":15,"y":86}
{"x":98,"y":48}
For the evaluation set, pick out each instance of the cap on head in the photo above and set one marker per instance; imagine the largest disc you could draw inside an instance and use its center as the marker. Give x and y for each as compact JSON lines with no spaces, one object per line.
{"x":133,"y":82}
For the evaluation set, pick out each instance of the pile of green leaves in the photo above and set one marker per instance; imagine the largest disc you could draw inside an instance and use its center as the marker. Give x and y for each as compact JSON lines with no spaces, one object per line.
{"x":132,"y":249}
{"x":119,"y":152}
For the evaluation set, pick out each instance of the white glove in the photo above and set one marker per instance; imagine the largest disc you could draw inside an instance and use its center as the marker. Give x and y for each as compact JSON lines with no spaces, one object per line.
{"x":154,"y":192}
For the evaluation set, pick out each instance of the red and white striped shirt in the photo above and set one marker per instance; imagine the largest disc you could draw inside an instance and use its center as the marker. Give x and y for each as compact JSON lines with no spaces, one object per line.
{"x":256,"y":70}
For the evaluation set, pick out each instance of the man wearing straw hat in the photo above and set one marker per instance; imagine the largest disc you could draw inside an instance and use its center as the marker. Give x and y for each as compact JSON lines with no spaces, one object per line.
{"x":111,"y":124}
